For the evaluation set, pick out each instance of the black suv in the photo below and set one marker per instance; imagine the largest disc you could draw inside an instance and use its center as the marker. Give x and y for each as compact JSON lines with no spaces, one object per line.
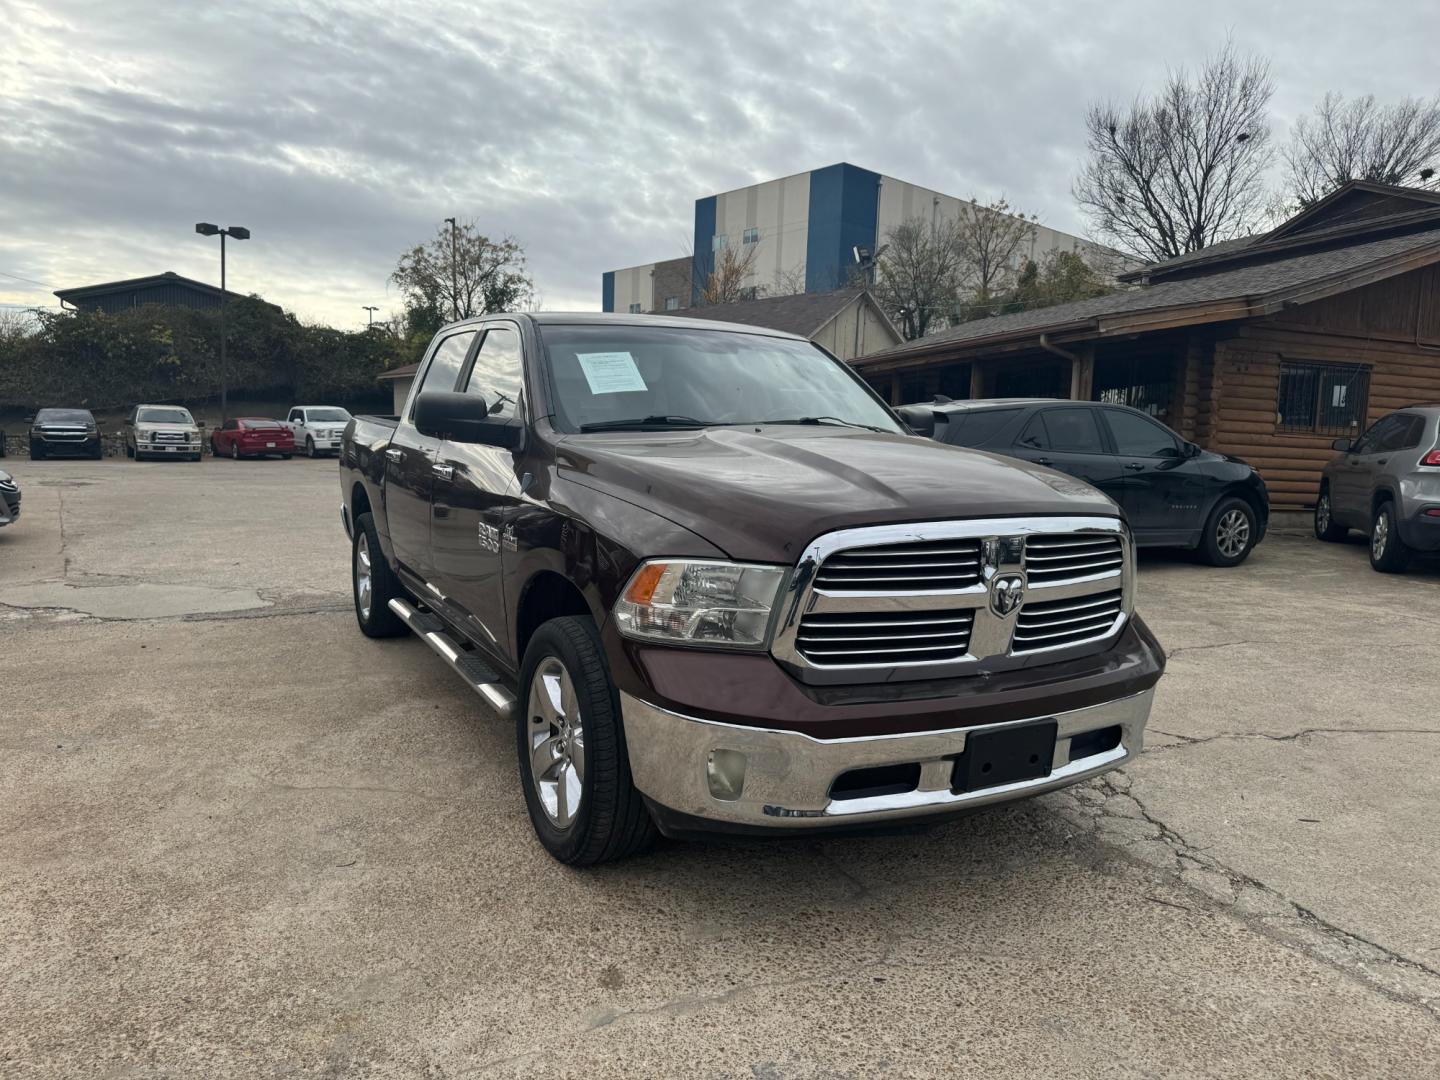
{"x":1174,"y":494}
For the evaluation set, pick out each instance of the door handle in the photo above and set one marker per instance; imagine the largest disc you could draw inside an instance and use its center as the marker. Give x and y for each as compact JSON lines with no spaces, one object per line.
{"x":1134,"y":466}
{"x":444,"y":472}
{"x":393,"y":453}
{"x":1381,"y":461}
{"x":1042,"y":461}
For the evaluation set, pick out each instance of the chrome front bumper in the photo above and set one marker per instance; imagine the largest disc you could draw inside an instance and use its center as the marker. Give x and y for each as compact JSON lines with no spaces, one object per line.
{"x":788,"y":776}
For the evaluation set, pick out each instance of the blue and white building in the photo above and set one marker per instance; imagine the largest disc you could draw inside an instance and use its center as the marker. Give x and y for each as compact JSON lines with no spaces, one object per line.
{"x":804,"y":229}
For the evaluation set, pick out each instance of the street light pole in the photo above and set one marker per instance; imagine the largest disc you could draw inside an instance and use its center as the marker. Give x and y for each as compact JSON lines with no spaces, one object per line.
{"x":239,"y":232}
{"x":454,"y":288}
{"x":370,"y":317}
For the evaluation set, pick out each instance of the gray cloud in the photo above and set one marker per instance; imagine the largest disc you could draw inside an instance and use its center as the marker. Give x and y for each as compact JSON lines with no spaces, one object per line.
{"x":341,"y":134}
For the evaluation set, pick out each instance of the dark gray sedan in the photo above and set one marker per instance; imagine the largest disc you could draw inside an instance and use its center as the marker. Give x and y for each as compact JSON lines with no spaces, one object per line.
{"x":1387,"y":483}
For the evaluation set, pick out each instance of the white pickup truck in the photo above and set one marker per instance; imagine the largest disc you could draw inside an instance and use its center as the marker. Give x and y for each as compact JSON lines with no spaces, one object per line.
{"x":317,"y":428}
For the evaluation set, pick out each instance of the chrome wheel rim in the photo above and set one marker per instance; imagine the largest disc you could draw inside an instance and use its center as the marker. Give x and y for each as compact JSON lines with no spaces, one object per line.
{"x":1232,"y":534}
{"x":235,"y":451}
{"x":1380,"y":537}
{"x":555,"y":737}
{"x":1322,"y":514}
{"x":363,"y":589}
{"x":309,"y":447}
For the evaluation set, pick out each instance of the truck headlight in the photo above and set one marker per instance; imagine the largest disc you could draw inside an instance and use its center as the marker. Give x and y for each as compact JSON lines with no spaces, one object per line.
{"x":695,"y":602}
{"x":143,"y":434}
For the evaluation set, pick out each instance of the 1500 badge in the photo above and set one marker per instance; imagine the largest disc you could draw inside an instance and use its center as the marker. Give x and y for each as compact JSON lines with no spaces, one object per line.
{"x":489,"y":537}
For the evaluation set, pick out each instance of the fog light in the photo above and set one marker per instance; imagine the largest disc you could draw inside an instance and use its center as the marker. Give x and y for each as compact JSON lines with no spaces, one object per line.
{"x":725,"y":769}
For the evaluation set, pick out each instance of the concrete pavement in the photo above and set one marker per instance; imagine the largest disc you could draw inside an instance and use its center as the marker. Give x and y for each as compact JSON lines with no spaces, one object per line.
{"x":239,"y":839}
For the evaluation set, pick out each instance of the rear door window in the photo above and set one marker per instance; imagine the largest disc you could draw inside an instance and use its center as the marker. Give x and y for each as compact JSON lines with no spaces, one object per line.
{"x":1071,"y":431}
{"x":977,"y":427}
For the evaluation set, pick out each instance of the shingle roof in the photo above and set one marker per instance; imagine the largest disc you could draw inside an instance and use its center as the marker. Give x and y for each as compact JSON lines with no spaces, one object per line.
{"x":803,"y":313}
{"x":1236,"y":283}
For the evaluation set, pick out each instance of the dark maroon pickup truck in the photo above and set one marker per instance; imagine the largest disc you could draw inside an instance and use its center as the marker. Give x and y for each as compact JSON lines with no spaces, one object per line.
{"x":717,"y":585}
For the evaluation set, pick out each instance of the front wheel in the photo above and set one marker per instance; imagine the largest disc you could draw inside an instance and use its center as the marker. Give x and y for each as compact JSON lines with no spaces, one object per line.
{"x":234,"y":451}
{"x":1388,"y":553}
{"x":309,"y":446}
{"x":1326,"y":528}
{"x":375,"y":584}
{"x":37,"y":452}
{"x":1230,"y":533}
{"x":571,"y":743}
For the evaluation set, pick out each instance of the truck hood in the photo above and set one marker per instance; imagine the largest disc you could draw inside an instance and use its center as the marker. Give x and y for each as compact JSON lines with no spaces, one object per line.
{"x":151,"y":425}
{"x":763,"y":493}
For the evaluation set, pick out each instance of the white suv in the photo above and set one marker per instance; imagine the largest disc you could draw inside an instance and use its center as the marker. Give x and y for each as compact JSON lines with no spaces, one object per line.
{"x":317,"y":428}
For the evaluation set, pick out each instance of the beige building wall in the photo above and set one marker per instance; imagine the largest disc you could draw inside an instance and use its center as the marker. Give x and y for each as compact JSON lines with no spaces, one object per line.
{"x":780,"y":212}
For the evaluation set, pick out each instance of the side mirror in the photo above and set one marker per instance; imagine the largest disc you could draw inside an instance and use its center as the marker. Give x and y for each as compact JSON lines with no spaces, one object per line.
{"x":1340,"y":444}
{"x":465,"y":418}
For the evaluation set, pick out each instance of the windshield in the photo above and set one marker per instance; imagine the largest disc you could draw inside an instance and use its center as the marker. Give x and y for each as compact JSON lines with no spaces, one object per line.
{"x":164,"y":416}
{"x":66,"y":416}
{"x":605,"y":376}
{"x":258,"y":424}
{"x":327,"y":416}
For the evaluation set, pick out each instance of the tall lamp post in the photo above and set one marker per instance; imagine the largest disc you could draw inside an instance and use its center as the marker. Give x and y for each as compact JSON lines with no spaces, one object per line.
{"x":239,"y":232}
{"x":370,"y":317}
{"x":454,"y":288}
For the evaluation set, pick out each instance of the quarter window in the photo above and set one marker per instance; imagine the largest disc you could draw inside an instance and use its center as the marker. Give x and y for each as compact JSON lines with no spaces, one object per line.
{"x":497,"y":374}
{"x":1136,"y":436}
{"x":1321,"y":399}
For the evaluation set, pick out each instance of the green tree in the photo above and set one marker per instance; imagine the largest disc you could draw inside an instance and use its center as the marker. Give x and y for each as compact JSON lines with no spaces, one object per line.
{"x":1060,"y":277}
{"x":462,"y":274}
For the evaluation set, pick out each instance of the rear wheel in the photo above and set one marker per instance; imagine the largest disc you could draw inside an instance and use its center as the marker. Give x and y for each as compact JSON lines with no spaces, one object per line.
{"x":571,"y":743}
{"x":1388,"y":553}
{"x":1326,"y":527}
{"x":374,"y":583}
{"x":1230,"y":533}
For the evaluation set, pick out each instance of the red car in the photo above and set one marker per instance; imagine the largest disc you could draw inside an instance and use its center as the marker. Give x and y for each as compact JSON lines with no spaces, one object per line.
{"x":252,"y":436}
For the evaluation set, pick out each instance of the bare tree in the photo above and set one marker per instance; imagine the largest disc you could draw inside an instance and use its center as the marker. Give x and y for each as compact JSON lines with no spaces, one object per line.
{"x":1362,"y":140}
{"x":728,"y":281}
{"x":788,"y":282}
{"x":1183,"y":169}
{"x":481,"y":275}
{"x":991,"y":240}
{"x":920,"y":274}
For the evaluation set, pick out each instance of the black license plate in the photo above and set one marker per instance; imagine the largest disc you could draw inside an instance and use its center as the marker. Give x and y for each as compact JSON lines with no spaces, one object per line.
{"x":1005,"y":756}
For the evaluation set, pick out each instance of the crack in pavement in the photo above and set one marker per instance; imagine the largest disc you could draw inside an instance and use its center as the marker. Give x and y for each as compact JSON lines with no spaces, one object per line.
{"x":1114,"y":816}
{"x":1200,"y":740}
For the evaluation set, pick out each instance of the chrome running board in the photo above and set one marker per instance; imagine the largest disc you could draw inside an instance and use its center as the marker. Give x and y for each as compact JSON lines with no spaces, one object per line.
{"x":480,"y":676}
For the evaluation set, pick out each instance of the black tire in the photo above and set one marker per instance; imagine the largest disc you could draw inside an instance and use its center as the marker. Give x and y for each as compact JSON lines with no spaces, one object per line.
{"x":1389,"y":554}
{"x":285,"y":457}
{"x":234,"y":451}
{"x":195,"y":457}
{"x":309,"y":446}
{"x":1217,"y":544}
{"x":37,"y":453}
{"x":612,"y":821}
{"x":379,"y":621}
{"x":129,"y":450}
{"x":1325,"y":526}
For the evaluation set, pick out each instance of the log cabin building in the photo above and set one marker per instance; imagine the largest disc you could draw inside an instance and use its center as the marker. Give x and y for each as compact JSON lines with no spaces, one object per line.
{"x":1267,"y":347}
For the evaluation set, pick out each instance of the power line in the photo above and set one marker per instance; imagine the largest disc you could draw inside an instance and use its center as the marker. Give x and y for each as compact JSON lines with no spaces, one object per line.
{"x":32,"y":281}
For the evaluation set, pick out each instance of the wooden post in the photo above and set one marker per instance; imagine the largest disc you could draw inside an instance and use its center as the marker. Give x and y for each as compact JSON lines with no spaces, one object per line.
{"x":1082,"y":374}
{"x":977,"y":379}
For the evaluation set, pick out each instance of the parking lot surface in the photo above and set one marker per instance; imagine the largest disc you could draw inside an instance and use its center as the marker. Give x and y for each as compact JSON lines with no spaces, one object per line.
{"x":237,"y":838}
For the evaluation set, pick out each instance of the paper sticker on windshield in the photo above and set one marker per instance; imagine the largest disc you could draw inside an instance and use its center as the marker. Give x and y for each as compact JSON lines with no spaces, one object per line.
{"x":611,"y":372}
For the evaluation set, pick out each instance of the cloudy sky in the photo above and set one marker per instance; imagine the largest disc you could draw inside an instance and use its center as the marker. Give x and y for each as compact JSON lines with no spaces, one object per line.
{"x":342,"y":133}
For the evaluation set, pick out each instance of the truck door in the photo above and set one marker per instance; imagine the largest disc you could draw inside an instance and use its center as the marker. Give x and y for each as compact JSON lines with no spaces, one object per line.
{"x":477,"y":494}
{"x":410,"y":459}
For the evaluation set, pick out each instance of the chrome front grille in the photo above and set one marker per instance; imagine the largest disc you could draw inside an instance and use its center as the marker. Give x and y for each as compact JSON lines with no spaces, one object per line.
{"x":1051,"y":624}
{"x":901,"y":637}
{"x":56,"y":434}
{"x":895,"y":602}
{"x":1067,"y":556}
{"x":170,"y":437}
{"x":908,"y":567}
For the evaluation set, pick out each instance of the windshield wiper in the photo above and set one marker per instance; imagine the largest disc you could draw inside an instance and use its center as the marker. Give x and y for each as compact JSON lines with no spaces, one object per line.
{"x":825,"y":420}
{"x":664,"y":421}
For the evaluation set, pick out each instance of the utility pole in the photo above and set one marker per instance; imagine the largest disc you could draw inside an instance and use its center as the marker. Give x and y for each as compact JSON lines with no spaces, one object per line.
{"x":454,"y":287}
{"x":239,"y":232}
{"x":370,"y":317}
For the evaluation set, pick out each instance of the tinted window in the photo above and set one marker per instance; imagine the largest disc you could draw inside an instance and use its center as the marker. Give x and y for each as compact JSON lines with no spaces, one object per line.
{"x":259,"y":424}
{"x":449,"y":357}
{"x":328,"y":416}
{"x":978,"y":427}
{"x":1072,"y":430}
{"x":1135,"y":436}
{"x":1382,"y":435}
{"x":64,"y":416}
{"x":497,"y":374}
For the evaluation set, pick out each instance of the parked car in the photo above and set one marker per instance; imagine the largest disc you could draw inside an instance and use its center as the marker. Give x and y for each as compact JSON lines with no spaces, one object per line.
{"x":9,"y":499}
{"x":67,"y":432}
{"x":252,"y":436}
{"x":161,"y":431}
{"x":1387,"y":483}
{"x":316,"y":429}
{"x":1173,"y":493}
{"x":717,"y":585}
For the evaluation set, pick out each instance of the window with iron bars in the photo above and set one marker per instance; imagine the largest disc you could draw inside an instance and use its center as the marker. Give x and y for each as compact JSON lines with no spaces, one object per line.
{"x":1321,"y":399}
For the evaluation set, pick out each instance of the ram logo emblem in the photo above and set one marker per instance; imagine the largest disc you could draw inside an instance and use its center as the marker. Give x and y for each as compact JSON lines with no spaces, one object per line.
{"x":1006,"y":593}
